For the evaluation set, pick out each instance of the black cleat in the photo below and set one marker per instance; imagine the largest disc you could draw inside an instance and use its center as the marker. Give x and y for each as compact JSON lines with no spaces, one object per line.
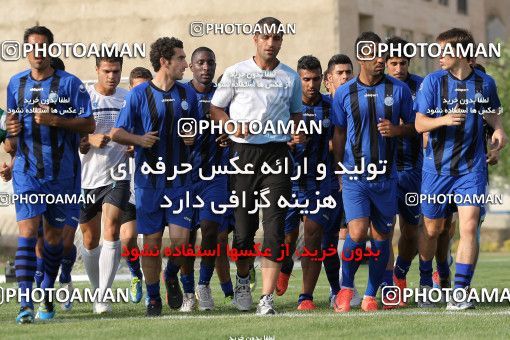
{"x":173,"y":293}
{"x":154,"y":308}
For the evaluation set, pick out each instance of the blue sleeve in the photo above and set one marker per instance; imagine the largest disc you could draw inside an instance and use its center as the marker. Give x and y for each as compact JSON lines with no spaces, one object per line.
{"x":296,"y":98}
{"x":80,"y":99}
{"x":127,"y":115}
{"x":11,"y":98}
{"x":425,"y":97}
{"x":339,"y":117}
{"x":406,"y":106}
{"x":494,"y":102}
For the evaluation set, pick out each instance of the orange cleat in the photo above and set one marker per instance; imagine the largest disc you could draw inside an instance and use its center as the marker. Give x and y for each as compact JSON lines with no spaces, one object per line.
{"x":282,"y":284}
{"x":369,"y":304}
{"x":401,"y":284}
{"x":343,"y":300}
{"x":306,"y":305}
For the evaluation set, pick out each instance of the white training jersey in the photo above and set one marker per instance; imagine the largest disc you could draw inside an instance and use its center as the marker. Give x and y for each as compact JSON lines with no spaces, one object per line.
{"x":96,"y":165}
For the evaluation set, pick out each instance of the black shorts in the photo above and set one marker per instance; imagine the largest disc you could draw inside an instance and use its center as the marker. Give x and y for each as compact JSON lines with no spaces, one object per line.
{"x":129,"y":214}
{"x":279,"y":185}
{"x":116,"y":194}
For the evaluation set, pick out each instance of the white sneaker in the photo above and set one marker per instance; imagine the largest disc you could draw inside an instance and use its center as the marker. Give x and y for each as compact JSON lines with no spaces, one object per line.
{"x":189,"y":303}
{"x":424,"y":302}
{"x":242,"y":296}
{"x":266,"y":305}
{"x":102,"y":308}
{"x":356,"y":298}
{"x":204,"y":297}
{"x":68,"y":305}
{"x":456,"y":302}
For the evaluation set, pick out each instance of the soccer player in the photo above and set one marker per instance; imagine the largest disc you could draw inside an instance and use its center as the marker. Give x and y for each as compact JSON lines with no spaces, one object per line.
{"x":149,"y":121}
{"x":409,"y":164}
{"x":339,"y":71}
{"x":51,"y":108}
{"x":452,"y":104}
{"x":128,"y":230}
{"x":367,"y":112}
{"x":207,"y":153}
{"x":111,"y":194}
{"x":264,"y":103}
{"x":316,"y":107}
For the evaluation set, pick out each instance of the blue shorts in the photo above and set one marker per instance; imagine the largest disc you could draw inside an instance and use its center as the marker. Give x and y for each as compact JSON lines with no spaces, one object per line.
{"x":55,"y":214}
{"x":211,"y":192}
{"x":468,"y":185}
{"x":73,"y":215}
{"x":409,"y":181}
{"x":375,"y":200}
{"x":152,"y":218}
{"x":330,"y":233}
{"x":293,"y":217}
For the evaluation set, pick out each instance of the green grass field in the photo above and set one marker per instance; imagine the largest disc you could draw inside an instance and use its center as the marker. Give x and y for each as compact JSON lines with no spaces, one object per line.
{"x":128,"y":321}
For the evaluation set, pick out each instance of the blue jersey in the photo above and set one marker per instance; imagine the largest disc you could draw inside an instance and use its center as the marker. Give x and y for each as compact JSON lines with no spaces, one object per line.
{"x":149,"y":108}
{"x":316,"y":150}
{"x":44,"y":152}
{"x":457,"y":150}
{"x":359,"y":108}
{"x":409,"y":149}
{"x":334,"y":185}
{"x":206,"y":152}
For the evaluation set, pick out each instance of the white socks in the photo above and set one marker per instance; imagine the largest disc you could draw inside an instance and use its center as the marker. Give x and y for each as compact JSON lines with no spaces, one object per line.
{"x":108,"y":264}
{"x":91,"y":262}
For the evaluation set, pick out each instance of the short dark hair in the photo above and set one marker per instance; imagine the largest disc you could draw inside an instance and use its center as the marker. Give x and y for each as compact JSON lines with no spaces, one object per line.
{"x":366,"y":36}
{"x":109,"y":60}
{"x":202,"y":49}
{"x":396,"y":41}
{"x":57,"y":64}
{"x":309,"y":62}
{"x":456,"y":36}
{"x":269,"y":21}
{"x":139,"y":72}
{"x":42,"y":30}
{"x":338,"y":59}
{"x":163,"y":48}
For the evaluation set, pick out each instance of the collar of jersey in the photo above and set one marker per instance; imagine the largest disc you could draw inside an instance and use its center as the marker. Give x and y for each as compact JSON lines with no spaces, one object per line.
{"x":365,"y":85}
{"x":465,"y":79}
{"x":160,"y":90}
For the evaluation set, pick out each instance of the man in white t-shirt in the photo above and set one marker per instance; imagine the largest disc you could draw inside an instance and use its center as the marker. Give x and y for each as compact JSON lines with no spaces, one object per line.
{"x":99,"y":156}
{"x":263,"y":89}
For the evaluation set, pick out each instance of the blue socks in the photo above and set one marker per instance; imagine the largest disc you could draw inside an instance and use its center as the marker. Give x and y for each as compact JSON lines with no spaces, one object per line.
{"x":303,"y":297}
{"x":25,"y":266}
{"x":188,"y":282}
{"x":426,"y":273}
{"x":134,"y":268}
{"x":463,"y":275}
{"x":401,"y":268}
{"x":171,"y":270}
{"x":227,"y":288}
{"x":377,"y":266}
{"x":349,"y":268}
{"x":206,"y":272}
{"x":332,"y":267}
{"x":67,"y":265}
{"x":153,"y":291}
{"x":39,"y":272}
{"x":52,"y":257}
